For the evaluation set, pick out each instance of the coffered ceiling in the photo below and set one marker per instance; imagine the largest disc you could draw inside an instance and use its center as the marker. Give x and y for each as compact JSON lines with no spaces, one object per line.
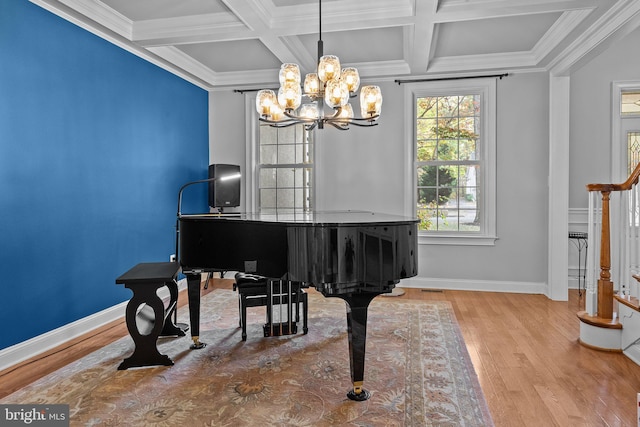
{"x":241,"y":43}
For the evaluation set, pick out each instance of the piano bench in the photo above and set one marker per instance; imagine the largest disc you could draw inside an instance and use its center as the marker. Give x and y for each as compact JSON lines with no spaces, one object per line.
{"x":257,"y":291}
{"x":146,"y":315}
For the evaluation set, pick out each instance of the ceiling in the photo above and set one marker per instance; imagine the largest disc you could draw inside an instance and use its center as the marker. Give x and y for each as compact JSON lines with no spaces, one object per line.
{"x":241,"y":43}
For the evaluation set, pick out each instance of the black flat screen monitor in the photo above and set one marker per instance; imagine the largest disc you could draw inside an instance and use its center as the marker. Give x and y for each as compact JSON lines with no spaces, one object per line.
{"x":224,"y":193}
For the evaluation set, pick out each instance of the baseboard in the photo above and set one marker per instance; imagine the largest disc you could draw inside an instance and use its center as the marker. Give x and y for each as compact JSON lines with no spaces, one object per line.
{"x":20,"y":352}
{"x":474,"y":285}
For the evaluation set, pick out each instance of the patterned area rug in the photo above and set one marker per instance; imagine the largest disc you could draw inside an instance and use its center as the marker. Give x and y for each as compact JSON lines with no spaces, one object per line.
{"x":417,"y":369}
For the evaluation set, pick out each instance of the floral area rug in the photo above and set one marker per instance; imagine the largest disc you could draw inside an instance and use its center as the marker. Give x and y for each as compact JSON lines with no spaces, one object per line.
{"x":417,"y":370}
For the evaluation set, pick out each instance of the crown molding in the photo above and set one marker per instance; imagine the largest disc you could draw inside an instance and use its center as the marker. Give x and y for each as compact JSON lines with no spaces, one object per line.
{"x":65,"y":12}
{"x":618,"y":21}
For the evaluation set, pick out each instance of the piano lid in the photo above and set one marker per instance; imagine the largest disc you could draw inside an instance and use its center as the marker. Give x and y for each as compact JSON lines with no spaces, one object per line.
{"x":315,"y":218}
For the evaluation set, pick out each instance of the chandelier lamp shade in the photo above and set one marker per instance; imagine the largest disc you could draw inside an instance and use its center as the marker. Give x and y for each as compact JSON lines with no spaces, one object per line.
{"x":330,"y":86}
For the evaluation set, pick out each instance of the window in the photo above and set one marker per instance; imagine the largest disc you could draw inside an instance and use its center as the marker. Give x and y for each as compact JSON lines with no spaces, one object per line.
{"x":454,"y":161}
{"x":285,"y":168}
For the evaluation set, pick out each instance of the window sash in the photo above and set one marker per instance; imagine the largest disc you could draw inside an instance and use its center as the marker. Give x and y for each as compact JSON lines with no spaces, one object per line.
{"x":486,"y":163}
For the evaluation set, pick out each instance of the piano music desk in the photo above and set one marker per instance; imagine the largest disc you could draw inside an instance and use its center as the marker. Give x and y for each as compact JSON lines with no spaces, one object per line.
{"x":144,"y":280}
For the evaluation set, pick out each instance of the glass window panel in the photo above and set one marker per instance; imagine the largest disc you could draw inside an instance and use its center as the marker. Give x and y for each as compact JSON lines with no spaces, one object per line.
{"x":286,"y":154}
{"x":468,"y":220}
{"x":469,"y":105}
{"x":268,"y":154}
{"x":287,"y":135}
{"x":448,"y":149}
{"x":467,"y":149}
{"x":630,"y":104}
{"x":468,"y":196}
{"x":467,"y":128}
{"x":285,"y":198}
{"x":633,"y":150}
{"x":447,"y":176}
{"x":285,"y":178}
{"x":427,"y":128}
{"x":448,"y":106}
{"x":299,"y":153}
{"x":268,"y":135}
{"x":425,"y":107}
{"x":268,"y":178}
{"x":268,"y":198}
{"x":426,"y":150}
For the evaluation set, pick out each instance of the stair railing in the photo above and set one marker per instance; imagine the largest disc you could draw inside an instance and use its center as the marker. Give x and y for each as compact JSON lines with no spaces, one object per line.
{"x":613,"y":229}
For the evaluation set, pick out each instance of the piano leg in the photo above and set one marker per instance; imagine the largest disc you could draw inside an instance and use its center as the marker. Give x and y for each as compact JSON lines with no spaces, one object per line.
{"x":193,"y":292}
{"x":357,"y":306}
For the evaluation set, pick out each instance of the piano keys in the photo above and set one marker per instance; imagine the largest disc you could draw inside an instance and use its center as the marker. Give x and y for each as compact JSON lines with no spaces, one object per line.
{"x":354,"y":256}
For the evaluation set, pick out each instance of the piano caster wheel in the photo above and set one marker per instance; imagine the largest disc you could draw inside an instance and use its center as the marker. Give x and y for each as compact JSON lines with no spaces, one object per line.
{"x":359,"y":397}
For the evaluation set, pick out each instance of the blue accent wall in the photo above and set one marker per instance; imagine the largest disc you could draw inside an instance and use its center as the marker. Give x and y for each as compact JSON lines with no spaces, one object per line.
{"x":94,"y":144}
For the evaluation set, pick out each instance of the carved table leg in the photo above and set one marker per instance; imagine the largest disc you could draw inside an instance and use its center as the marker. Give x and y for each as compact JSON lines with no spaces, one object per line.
{"x":145,"y":352}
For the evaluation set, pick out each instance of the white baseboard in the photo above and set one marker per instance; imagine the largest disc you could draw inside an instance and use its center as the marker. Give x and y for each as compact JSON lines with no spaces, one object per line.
{"x":20,"y":352}
{"x":475,"y":285}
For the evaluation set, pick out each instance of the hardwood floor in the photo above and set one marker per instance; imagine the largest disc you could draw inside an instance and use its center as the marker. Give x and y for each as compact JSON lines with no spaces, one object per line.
{"x":532,"y":370}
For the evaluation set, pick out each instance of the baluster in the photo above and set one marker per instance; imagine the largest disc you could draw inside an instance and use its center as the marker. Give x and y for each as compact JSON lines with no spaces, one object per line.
{"x":592,"y":238}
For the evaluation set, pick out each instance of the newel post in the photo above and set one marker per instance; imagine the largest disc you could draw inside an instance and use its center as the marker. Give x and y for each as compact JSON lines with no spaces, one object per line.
{"x":605,"y":285}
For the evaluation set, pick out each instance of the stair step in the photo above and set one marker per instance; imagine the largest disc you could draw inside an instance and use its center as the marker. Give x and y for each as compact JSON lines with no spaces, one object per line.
{"x":599,"y":321}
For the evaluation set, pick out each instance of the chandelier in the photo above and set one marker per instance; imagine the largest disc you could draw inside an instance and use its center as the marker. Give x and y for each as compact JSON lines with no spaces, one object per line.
{"x":329,"y":85}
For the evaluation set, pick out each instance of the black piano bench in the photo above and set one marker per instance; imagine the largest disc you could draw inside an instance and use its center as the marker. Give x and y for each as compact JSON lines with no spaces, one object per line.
{"x":256,"y":291}
{"x":146,"y":315}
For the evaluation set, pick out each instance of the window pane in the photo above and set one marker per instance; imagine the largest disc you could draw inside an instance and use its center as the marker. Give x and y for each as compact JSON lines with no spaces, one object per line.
{"x":426,"y":150}
{"x":447,"y":137}
{"x":268,"y":135}
{"x":448,"y":149}
{"x":448,"y":106}
{"x":286,"y":154}
{"x":633,"y":150}
{"x":469,"y":105}
{"x":268,"y":178}
{"x":268,"y":198}
{"x":630,"y":103}
{"x":285,"y":178}
{"x":288,"y":185}
{"x":285,"y":198}
{"x":268,"y":154}
{"x":427,"y":128}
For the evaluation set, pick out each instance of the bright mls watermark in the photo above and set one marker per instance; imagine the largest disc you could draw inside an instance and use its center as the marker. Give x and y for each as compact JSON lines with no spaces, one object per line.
{"x":34,"y":415}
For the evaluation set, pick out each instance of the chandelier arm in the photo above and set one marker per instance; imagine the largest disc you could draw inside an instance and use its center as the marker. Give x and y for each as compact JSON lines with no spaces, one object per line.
{"x":299,"y":119}
{"x":338,"y":125}
{"x":365,"y":119}
{"x":278,"y":123}
{"x":363,"y":124}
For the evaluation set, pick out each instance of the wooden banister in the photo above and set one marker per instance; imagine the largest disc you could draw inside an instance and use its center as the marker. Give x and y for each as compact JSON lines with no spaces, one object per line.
{"x":605,"y":285}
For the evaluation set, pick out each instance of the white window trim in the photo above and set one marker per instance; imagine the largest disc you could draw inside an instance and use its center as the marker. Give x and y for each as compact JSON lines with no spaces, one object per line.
{"x":487,"y":89}
{"x":251,"y":123}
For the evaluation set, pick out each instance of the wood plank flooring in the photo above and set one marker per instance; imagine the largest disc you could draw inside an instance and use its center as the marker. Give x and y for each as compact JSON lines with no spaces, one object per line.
{"x":524,"y":348}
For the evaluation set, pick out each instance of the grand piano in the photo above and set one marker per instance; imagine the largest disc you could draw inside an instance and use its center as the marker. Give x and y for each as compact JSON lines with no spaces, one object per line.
{"x":351,"y":255}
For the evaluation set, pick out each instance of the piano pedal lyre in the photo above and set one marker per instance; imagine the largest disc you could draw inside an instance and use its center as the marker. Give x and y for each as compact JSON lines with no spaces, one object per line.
{"x":284,"y":297}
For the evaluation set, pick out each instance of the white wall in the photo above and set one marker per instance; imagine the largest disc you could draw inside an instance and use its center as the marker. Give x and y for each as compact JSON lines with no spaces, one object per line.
{"x":365,"y":169}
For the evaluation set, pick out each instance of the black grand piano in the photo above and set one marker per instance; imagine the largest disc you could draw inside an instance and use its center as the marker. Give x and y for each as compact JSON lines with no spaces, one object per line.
{"x":355,"y":256}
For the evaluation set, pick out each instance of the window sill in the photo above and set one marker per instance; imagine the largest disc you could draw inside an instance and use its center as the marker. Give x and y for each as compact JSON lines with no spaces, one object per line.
{"x":462,"y":240}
